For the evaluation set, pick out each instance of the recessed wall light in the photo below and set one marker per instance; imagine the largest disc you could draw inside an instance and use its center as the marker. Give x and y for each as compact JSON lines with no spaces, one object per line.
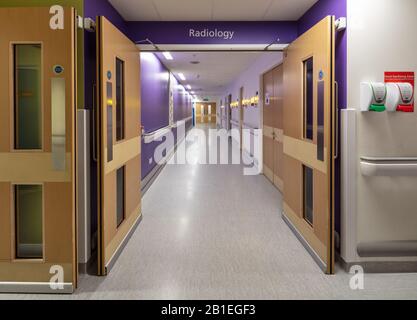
{"x":188,"y":87}
{"x":181,"y":75}
{"x":167,"y":55}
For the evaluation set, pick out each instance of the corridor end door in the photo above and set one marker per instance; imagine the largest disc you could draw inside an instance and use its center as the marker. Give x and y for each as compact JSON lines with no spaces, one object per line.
{"x":119,"y":141}
{"x":309,"y":113}
{"x":37,"y":151}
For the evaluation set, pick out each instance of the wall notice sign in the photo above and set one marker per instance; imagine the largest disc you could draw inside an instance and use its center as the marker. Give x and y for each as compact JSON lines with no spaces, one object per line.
{"x":267,"y":99}
{"x":401,"y":77}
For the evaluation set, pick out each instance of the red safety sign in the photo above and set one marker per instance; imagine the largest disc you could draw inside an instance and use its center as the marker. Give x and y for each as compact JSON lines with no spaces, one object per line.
{"x":401,"y":77}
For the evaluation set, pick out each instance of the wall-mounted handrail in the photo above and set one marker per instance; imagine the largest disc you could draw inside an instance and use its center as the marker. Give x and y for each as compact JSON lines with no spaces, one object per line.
{"x":407,"y":248}
{"x":249,"y":126}
{"x":251,"y":129}
{"x":149,"y":137}
{"x":388,"y":166}
{"x":389,"y":159}
{"x":234,"y":122}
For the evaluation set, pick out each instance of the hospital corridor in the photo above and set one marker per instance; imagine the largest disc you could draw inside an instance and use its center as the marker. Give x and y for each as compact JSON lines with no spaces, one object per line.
{"x":233,"y":150}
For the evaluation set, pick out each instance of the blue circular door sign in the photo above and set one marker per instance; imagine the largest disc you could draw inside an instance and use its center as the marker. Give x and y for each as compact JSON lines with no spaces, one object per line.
{"x":321,"y":75}
{"x":58,"y":69}
{"x":109,"y":75}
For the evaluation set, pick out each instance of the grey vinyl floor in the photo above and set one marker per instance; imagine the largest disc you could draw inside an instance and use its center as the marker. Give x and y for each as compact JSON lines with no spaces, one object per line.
{"x":210,"y":232}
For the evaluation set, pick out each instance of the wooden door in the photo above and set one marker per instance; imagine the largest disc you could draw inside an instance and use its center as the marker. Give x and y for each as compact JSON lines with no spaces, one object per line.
{"x":119,"y":141}
{"x":277,"y":123}
{"x":199,"y":111}
{"x":37,"y":150}
{"x":309,"y":139}
{"x":268,"y":137}
{"x":213,"y":115}
{"x":273,"y":126}
{"x":205,"y":113}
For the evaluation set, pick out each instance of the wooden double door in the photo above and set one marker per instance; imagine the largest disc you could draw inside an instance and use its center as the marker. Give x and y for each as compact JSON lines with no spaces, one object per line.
{"x":206,"y":113}
{"x":273,"y":135}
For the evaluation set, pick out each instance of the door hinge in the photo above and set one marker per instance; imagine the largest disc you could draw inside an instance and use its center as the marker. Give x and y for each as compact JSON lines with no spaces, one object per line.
{"x":87,"y":24}
{"x":340,"y":24}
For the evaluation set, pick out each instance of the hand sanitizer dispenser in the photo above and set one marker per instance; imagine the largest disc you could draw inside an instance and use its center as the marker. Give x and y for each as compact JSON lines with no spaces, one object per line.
{"x":400,"y":97}
{"x":373,"y":95}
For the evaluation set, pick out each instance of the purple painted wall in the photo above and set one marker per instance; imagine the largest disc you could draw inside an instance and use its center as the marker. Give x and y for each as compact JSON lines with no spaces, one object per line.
{"x":182,"y":101}
{"x":248,"y":32}
{"x":177,"y":97}
{"x":321,"y":9}
{"x":154,"y":105}
{"x":154,"y":92}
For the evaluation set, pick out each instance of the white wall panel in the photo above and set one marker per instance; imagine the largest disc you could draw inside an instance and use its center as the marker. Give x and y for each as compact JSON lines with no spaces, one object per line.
{"x":381,"y":37}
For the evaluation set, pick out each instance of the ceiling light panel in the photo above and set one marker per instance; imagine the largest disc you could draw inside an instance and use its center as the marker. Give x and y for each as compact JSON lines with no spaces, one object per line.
{"x":168,"y":55}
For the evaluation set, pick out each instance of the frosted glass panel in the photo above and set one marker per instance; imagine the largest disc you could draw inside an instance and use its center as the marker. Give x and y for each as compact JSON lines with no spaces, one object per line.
{"x":27,"y":96}
{"x":28,"y":209}
{"x":58,"y":123}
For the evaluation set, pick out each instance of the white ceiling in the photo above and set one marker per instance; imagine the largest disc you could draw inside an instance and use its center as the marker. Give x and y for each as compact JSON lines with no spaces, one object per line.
{"x":210,"y":79}
{"x":212,"y":10}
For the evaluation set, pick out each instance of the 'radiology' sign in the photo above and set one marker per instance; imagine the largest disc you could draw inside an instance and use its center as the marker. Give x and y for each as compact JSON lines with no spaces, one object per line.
{"x":214,"y":33}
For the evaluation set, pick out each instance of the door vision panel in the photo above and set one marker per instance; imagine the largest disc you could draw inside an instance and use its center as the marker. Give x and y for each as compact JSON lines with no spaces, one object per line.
{"x":309,"y":113}
{"x":119,"y":141}
{"x":37,"y":150}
